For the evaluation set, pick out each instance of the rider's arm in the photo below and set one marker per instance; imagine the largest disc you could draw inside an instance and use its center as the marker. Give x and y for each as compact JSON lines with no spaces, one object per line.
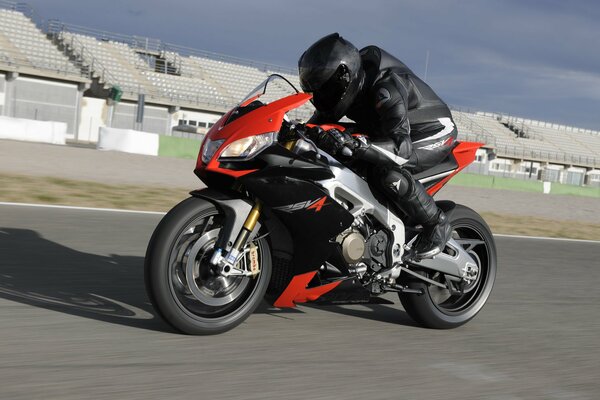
{"x":391,"y":104}
{"x":390,"y":101}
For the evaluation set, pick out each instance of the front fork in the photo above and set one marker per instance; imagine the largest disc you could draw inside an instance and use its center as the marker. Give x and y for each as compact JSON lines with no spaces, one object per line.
{"x":226,"y":261}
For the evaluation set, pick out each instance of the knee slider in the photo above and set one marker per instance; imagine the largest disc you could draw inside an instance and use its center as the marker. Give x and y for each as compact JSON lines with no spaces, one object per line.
{"x":406,"y":184}
{"x":400,"y":182}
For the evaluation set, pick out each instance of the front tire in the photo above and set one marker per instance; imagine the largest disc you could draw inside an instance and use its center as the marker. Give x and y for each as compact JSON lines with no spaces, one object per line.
{"x":437,"y":308}
{"x":184,"y":288}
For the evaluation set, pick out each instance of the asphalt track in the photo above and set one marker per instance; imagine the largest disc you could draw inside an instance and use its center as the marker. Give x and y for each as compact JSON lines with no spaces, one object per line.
{"x":75,"y":323}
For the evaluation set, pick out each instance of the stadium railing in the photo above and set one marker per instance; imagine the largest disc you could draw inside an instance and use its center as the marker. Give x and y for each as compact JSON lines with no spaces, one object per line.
{"x":58,"y":30}
{"x":21,"y":59}
{"x":517,"y":152}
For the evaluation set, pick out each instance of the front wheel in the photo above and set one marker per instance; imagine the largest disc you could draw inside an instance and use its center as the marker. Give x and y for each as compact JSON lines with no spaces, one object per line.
{"x":184,"y":288}
{"x":438,"y":308}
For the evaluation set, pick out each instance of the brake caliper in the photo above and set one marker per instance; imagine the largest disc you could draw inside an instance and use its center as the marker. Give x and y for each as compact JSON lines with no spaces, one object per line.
{"x":254,"y":266}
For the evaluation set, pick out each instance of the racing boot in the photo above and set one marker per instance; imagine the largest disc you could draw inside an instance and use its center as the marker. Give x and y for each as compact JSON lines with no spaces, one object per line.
{"x":432,"y":240}
{"x":414,"y":200}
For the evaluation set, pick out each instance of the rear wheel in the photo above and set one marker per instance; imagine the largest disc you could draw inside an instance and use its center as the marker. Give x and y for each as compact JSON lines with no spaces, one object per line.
{"x":439,"y":308}
{"x":185,"y":289}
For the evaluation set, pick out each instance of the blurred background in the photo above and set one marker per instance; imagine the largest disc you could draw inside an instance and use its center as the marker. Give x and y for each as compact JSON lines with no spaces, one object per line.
{"x":105,"y":104}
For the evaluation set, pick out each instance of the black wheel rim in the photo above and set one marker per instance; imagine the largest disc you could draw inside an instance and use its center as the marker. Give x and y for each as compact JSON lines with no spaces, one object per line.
{"x":473,"y":240}
{"x":206,"y":295}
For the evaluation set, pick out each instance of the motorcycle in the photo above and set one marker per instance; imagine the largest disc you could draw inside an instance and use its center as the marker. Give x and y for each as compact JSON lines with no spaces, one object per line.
{"x":281,"y":219}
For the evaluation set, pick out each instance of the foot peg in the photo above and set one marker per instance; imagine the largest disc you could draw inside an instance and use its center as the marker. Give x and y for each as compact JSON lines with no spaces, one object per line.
{"x":411,"y":254}
{"x":432,"y":240}
{"x":428,"y":254}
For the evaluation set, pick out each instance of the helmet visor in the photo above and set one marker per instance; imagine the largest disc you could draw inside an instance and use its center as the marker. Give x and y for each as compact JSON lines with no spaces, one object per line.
{"x":332,"y":91}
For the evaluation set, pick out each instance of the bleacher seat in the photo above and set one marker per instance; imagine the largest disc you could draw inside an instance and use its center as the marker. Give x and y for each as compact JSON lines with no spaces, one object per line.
{"x":531,"y":140}
{"x":24,"y":44}
{"x":179,"y":75}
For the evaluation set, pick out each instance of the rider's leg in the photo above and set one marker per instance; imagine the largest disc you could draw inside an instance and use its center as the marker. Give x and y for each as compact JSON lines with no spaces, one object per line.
{"x":413,"y":199}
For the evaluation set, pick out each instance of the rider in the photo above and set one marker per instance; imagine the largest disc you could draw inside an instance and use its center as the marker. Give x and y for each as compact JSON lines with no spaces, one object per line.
{"x":402,"y":115}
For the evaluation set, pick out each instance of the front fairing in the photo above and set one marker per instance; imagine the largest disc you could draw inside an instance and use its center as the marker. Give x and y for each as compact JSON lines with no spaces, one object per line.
{"x":285,"y":182}
{"x":232,"y":127}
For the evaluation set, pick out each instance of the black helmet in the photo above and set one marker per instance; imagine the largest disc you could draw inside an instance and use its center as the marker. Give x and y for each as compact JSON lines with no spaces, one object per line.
{"x":331,"y":70}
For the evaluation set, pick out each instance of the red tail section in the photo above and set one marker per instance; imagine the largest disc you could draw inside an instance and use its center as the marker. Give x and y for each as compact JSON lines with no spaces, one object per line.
{"x":464,"y":153}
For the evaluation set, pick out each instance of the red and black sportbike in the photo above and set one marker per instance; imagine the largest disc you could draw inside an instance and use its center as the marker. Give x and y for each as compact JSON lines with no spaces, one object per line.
{"x":281,"y":218}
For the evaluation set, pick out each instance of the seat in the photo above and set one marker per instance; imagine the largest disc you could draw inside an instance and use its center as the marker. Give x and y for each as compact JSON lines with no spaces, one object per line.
{"x":448,"y":164}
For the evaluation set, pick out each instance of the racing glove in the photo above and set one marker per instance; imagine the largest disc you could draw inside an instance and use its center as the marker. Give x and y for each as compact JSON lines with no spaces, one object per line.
{"x":332,"y":141}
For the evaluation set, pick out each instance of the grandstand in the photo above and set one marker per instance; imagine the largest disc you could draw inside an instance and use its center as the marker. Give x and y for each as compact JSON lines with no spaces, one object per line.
{"x":61,"y":72}
{"x":24,"y":45}
{"x":162,"y":71}
{"x":570,"y":155}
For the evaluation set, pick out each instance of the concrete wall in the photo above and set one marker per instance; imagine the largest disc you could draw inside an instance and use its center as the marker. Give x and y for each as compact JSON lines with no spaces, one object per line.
{"x":574,"y":176}
{"x":123,"y":116}
{"x":201,"y":118}
{"x":2,"y":92}
{"x":32,"y":131}
{"x":593,"y":178}
{"x":128,"y":140}
{"x":501,"y":167}
{"x":45,"y":100}
{"x":94,"y":114}
{"x":156,"y":119}
{"x":551,"y":173}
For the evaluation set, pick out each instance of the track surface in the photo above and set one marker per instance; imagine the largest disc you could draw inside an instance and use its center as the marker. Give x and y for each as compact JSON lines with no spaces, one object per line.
{"x":75,"y":323}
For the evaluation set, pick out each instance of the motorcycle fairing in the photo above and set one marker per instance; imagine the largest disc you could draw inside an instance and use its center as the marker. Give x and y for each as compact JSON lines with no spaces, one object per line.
{"x":346,"y":186}
{"x":310,"y":229}
{"x":298,"y":291}
{"x":267,"y":118}
{"x":282,"y":180}
{"x":463,"y":154}
{"x":279,"y":161}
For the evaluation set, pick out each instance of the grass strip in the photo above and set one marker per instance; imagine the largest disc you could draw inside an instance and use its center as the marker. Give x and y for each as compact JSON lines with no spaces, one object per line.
{"x":496,"y":182}
{"x":43,"y":190}
{"x":170,"y":146}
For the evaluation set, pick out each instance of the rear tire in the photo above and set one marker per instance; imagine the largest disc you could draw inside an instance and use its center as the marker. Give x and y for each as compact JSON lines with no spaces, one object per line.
{"x":436,"y":309}
{"x":211,"y":303}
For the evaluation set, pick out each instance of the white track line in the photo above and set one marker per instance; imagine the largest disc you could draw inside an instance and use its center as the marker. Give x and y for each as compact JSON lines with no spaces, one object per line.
{"x":545,"y":238}
{"x":117,"y":210}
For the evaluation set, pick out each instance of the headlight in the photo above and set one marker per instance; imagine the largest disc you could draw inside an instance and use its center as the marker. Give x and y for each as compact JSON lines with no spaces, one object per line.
{"x":210,"y":148}
{"x":246,"y":148}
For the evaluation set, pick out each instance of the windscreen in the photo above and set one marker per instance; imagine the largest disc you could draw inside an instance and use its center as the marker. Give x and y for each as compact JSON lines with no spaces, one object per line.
{"x":273,"y":88}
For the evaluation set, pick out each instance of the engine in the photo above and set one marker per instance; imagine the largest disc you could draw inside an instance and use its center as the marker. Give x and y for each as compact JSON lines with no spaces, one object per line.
{"x":377,"y":245}
{"x":353,"y":246}
{"x":363,"y":247}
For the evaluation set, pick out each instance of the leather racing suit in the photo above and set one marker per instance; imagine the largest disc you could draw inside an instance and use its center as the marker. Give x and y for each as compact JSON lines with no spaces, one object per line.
{"x":403,"y":117}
